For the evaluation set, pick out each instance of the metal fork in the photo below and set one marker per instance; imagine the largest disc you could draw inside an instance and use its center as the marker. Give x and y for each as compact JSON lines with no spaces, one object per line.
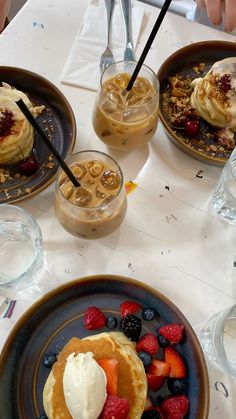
{"x":126,"y":10}
{"x":107,"y":56}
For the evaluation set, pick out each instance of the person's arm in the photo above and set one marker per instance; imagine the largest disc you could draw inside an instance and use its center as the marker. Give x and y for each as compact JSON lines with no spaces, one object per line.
{"x":4,"y":9}
{"x":218,"y":8}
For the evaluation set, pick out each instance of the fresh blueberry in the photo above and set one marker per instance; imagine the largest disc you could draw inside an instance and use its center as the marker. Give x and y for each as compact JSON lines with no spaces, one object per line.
{"x":111,"y":322}
{"x":145,"y":358}
{"x":162,"y":341}
{"x":49,"y":359}
{"x":149,"y":313}
{"x":176,"y":386}
{"x":158,"y":400}
{"x":43,"y":416}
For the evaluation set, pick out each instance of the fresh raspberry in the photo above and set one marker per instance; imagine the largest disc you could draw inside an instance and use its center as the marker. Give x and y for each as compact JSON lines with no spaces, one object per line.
{"x":129,"y":307}
{"x":175,"y":407}
{"x":94,"y":318}
{"x":148,"y":343}
{"x":172,"y":332}
{"x":115,"y":408}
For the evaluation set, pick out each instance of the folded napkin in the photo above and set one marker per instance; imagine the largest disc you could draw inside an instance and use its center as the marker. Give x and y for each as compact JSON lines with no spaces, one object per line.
{"x":82,"y":67}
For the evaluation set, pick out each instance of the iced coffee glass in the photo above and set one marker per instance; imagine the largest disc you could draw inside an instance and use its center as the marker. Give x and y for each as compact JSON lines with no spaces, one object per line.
{"x":126,"y":120}
{"x":99,"y":205}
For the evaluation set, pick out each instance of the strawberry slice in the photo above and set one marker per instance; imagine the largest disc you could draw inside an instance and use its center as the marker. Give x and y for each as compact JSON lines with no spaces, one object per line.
{"x":177,"y":364}
{"x":148,"y":343}
{"x":172,"y":332}
{"x":159,"y":368}
{"x":154,"y":382}
{"x":110,"y":367}
{"x":129,"y":307}
{"x":175,"y":407}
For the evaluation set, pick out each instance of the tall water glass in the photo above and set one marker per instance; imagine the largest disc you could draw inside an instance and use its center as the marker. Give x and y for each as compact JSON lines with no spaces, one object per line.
{"x":223,"y":200}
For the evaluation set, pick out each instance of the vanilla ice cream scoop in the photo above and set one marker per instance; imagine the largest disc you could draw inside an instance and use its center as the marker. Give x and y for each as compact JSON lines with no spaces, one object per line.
{"x":84,"y":385}
{"x":214,"y":95}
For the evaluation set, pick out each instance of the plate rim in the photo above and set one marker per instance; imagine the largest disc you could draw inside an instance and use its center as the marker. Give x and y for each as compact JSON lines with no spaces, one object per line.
{"x":70,"y":111}
{"x":217,"y":161}
{"x":125,"y":280}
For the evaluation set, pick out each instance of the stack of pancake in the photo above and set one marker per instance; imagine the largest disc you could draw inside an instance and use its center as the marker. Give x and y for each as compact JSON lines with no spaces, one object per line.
{"x":132,"y":382}
{"x":214,"y":95}
{"x":16,"y":142}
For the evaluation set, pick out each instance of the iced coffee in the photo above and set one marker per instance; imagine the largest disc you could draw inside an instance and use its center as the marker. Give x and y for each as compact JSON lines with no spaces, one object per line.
{"x":99,"y":205}
{"x":126,"y":120}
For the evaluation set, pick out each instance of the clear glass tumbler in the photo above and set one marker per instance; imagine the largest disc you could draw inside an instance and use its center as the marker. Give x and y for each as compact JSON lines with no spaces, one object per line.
{"x":96,"y":209}
{"x":223,"y":200}
{"x":218,"y":338}
{"x":21,"y":247}
{"x":126,"y":120}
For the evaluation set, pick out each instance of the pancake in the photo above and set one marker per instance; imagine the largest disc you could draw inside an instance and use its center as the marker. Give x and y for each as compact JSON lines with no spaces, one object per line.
{"x":16,"y":133}
{"x":132,"y":383}
{"x":214,"y":95}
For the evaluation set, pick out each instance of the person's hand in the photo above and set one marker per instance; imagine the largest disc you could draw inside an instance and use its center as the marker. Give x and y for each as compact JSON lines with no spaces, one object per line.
{"x":215,"y":9}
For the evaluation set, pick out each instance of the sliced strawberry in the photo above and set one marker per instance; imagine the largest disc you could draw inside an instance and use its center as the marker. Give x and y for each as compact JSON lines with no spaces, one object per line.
{"x":115,"y":408}
{"x":94,"y":318}
{"x":172,"y":332}
{"x":148,"y":343}
{"x":110,"y":367}
{"x":129,"y":307}
{"x":154,"y":381}
{"x":175,"y":407}
{"x":148,"y":404}
{"x":177,"y":364}
{"x":159,"y":368}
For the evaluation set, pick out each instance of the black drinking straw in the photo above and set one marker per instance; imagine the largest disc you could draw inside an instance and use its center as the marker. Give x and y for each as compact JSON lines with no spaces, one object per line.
{"x":51,"y":147}
{"x":149,"y":43}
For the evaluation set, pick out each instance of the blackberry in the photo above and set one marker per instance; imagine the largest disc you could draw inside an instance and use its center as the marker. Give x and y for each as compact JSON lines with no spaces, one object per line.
{"x":176,"y":386}
{"x":162,"y":341}
{"x":149,"y":313}
{"x":131,"y":327}
{"x":151,"y":414}
{"x":145,"y":358}
{"x":49,"y":359}
{"x":111,"y":322}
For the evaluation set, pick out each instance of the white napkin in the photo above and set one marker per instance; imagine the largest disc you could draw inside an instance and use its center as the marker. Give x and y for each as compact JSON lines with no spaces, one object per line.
{"x":82,"y":67}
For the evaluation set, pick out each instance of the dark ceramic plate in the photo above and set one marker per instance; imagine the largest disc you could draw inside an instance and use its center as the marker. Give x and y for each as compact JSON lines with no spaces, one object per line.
{"x":182,"y":63}
{"x":58,"y":122}
{"x":58,"y":316}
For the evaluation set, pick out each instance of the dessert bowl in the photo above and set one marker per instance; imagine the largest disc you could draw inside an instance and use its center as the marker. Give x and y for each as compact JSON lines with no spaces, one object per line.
{"x":58,"y":316}
{"x":58,"y":122}
{"x":190,"y":62}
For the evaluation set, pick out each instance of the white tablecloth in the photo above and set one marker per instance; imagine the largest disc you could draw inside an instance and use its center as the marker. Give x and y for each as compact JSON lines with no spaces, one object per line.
{"x":169,"y":238}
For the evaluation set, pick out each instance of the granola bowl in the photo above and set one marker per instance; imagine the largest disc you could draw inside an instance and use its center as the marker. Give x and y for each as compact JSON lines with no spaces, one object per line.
{"x":204,"y":142}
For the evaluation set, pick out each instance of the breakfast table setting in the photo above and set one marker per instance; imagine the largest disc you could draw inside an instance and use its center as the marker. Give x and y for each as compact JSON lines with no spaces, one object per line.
{"x":169,"y":238}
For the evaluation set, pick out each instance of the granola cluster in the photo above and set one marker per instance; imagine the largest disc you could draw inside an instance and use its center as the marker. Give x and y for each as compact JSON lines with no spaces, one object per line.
{"x":191,"y":129}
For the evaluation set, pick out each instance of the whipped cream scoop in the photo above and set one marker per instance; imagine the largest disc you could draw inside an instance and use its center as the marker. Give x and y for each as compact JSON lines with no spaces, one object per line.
{"x":84,"y":385}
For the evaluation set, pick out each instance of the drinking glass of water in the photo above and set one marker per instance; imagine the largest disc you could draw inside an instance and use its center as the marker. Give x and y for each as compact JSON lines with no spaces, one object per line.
{"x":218,"y":338}
{"x":223,"y":200}
{"x":21,"y":247}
